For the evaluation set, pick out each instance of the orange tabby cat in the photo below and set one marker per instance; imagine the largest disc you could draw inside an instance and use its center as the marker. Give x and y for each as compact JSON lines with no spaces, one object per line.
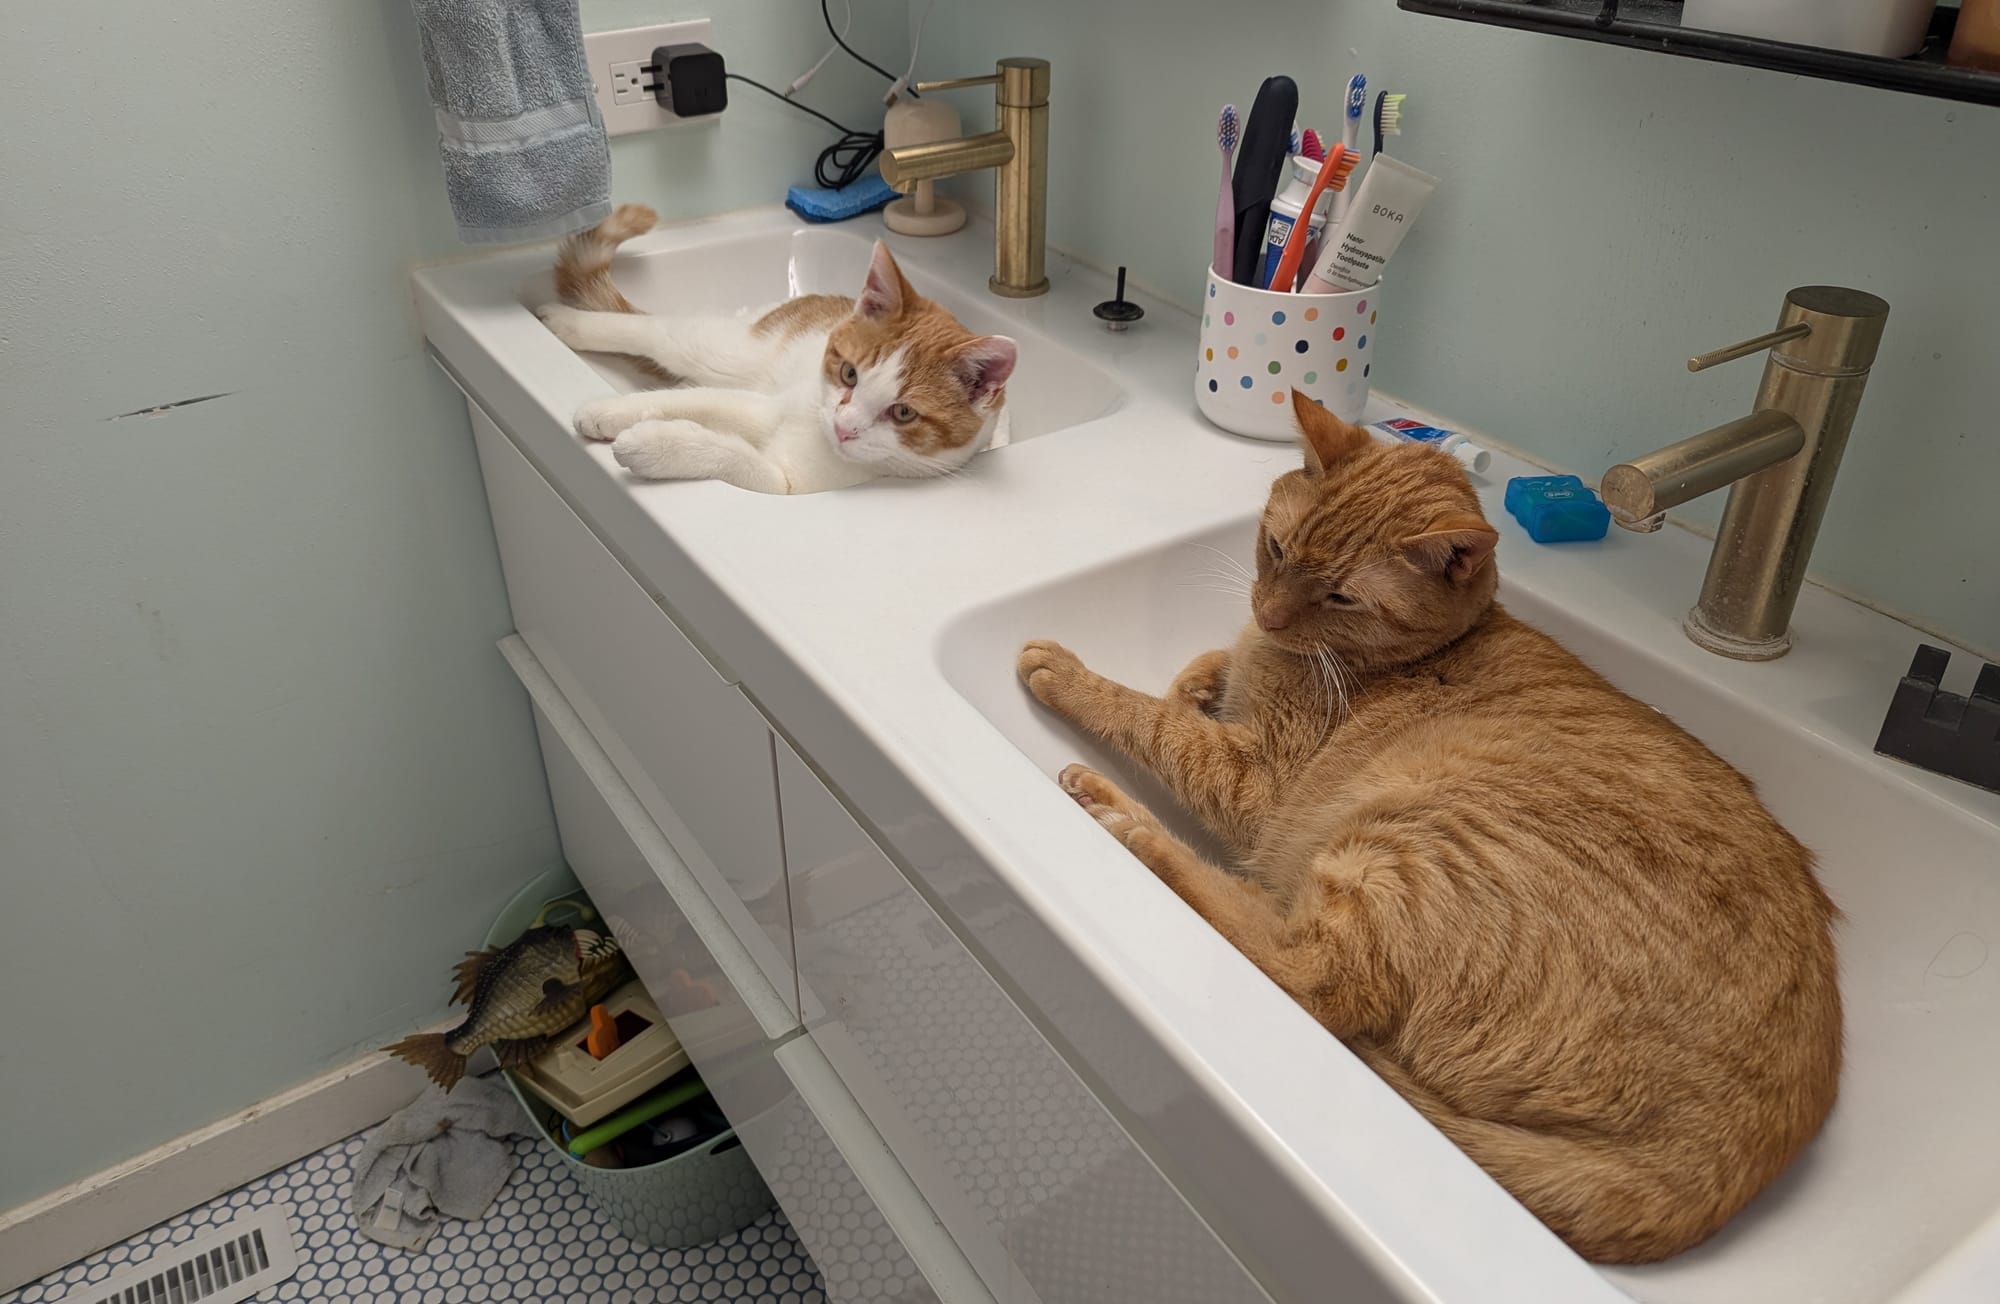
{"x":1559,"y":926}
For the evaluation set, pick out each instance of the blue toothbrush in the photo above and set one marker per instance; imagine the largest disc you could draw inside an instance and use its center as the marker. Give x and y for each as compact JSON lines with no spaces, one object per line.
{"x":1350,"y":136}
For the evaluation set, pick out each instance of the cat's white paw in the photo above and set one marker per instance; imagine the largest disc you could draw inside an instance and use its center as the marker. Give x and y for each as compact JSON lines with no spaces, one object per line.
{"x":605,"y":419}
{"x":666,"y":450}
{"x":561,"y":319}
{"x":644,"y":450}
{"x":686,"y":450}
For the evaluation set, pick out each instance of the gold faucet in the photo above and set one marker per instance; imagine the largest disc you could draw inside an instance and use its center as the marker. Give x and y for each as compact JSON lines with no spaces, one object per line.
{"x":1779,"y":461}
{"x":1018,"y":151}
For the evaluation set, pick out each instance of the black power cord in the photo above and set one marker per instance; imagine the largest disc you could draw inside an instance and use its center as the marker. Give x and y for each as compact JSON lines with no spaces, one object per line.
{"x":845,"y":161}
{"x":841,"y":41}
{"x":848,"y":159}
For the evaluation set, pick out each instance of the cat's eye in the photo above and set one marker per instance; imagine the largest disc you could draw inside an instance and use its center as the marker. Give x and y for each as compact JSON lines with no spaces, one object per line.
{"x":848,"y":375}
{"x":1338,"y":599}
{"x":902,"y":414}
{"x":1271,"y":545}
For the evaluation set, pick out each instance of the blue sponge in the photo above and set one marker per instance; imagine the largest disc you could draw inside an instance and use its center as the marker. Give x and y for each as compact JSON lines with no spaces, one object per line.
{"x":851,"y":200}
{"x":1556,"y":508}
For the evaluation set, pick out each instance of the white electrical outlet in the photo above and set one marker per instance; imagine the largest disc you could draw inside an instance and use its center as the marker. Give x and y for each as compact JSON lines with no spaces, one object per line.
{"x":628,"y":82}
{"x":617,"y":71}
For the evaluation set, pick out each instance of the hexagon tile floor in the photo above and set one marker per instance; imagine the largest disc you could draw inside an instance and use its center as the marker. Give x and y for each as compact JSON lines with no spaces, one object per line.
{"x":541,"y":1242}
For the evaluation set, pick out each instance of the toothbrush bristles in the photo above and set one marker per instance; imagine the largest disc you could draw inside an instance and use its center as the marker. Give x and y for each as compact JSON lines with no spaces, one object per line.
{"x":1390,"y":114}
{"x":1227,"y":128}
{"x":1292,"y":145}
{"x":1312,"y":146}
{"x":1343,"y":166}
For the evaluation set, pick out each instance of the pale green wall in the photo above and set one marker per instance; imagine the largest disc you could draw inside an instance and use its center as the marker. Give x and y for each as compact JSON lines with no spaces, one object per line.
{"x":262,"y":775}
{"x":1605,"y":213}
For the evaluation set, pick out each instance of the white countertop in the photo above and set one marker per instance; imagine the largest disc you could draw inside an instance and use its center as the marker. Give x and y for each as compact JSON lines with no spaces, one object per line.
{"x":830,"y":608}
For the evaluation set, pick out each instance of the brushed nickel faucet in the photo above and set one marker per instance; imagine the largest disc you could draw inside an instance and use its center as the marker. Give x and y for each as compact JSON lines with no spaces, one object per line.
{"x":1779,"y":463}
{"x":1017,"y":149}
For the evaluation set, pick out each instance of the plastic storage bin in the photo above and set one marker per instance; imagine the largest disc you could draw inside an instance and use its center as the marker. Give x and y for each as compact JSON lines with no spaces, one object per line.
{"x":690,"y":1199}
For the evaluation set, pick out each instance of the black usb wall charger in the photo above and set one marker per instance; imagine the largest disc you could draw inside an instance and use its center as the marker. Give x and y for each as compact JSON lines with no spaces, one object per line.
{"x":689,"y":80}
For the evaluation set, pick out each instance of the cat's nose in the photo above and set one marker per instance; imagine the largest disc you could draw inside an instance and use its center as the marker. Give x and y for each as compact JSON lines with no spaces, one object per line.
{"x":1273,"y":617}
{"x":844,"y":435}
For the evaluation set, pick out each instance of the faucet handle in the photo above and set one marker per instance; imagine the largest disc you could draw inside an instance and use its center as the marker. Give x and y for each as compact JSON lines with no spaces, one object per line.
{"x":957,"y":83}
{"x":1702,"y":362}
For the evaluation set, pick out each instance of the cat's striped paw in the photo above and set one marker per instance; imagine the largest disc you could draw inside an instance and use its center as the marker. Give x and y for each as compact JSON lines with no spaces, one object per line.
{"x":1200,"y":685}
{"x":1114,"y":812}
{"x":1048,"y":669}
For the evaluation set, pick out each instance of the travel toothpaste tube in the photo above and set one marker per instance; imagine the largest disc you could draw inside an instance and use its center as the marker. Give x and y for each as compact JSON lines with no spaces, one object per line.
{"x":1386,"y":206}
{"x":1470,"y":455}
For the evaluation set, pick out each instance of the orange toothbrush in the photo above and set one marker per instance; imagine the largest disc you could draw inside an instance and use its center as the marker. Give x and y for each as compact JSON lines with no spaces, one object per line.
{"x":1335,"y":171}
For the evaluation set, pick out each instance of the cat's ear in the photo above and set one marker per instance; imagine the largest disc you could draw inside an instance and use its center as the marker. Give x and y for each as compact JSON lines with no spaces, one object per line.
{"x":1326,"y":437}
{"x":983,"y":366}
{"x":1456,"y":545}
{"x":885,"y":295}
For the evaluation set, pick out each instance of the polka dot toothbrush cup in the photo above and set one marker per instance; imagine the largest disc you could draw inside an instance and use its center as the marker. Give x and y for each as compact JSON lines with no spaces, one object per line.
{"x":1257,"y":346}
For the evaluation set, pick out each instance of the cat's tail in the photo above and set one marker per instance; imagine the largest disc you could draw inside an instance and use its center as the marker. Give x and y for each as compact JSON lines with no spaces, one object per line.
{"x":583,"y":263}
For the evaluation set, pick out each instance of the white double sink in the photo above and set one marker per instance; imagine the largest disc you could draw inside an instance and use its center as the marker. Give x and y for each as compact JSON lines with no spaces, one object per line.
{"x":877,"y":627}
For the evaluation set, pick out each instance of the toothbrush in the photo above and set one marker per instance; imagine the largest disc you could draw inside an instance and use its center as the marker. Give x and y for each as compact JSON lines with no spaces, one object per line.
{"x":1227,"y":131}
{"x":1334,"y":172}
{"x":1292,"y":146}
{"x":1388,"y":116}
{"x":1350,"y":136}
{"x":1315,"y":149}
{"x":1259,"y":167}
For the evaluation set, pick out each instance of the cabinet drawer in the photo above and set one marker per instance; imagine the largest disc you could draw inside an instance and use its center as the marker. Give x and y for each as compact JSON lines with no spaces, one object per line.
{"x":692,"y":747}
{"x":872,"y":1233}
{"x":710,"y":990}
{"x":855,"y":1210}
{"x":968,"y":1094}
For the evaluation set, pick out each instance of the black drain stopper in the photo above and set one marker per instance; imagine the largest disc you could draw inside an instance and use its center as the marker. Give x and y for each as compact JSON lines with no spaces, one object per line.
{"x":1119,"y":312}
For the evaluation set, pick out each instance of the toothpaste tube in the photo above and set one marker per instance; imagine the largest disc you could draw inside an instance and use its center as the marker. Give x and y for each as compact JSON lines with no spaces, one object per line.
{"x":1470,"y":455}
{"x":1386,"y":206}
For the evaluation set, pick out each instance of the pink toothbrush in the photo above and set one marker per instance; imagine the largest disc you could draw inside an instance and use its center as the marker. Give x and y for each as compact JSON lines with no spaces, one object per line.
{"x":1227,"y":129}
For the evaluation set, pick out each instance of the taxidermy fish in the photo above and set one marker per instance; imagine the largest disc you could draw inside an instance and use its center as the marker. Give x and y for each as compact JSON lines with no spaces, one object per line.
{"x":521,"y":999}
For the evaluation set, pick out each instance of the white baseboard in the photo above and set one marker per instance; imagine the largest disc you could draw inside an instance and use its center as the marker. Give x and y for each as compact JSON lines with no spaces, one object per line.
{"x":105,"y":1208}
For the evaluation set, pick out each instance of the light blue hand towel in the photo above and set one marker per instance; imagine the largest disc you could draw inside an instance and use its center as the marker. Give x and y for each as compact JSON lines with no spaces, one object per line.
{"x":525,"y":157}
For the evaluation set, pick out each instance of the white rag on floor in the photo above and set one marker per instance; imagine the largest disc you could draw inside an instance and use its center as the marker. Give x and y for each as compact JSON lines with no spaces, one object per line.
{"x":444,"y":1154}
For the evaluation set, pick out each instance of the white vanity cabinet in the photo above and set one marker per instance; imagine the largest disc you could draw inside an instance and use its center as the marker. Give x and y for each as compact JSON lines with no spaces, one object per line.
{"x":922,"y":1136}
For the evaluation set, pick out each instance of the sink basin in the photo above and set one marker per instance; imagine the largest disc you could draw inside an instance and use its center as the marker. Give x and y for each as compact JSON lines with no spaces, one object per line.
{"x":1906,"y":1169}
{"x":678,"y":272}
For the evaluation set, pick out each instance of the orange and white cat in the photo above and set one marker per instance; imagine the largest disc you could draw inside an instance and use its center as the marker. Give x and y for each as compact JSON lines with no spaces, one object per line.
{"x":1564,"y":930}
{"x":820,"y":392}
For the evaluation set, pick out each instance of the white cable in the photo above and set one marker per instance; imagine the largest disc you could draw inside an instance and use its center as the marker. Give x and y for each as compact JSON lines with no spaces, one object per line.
{"x":917,"y":43}
{"x":846,"y":25}
{"x":897,"y":87}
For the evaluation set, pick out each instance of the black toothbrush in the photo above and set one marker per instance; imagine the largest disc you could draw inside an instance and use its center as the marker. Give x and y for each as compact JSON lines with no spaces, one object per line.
{"x":1260,"y":166}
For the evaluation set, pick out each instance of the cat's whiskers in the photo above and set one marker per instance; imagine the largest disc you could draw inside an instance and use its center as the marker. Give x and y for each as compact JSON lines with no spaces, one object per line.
{"x":1230,"y":562}
{"x":1214,"y":579}
{"x":1342,"y":676}
{"x":1338,"y":684}
{"x":1220,"y":579}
